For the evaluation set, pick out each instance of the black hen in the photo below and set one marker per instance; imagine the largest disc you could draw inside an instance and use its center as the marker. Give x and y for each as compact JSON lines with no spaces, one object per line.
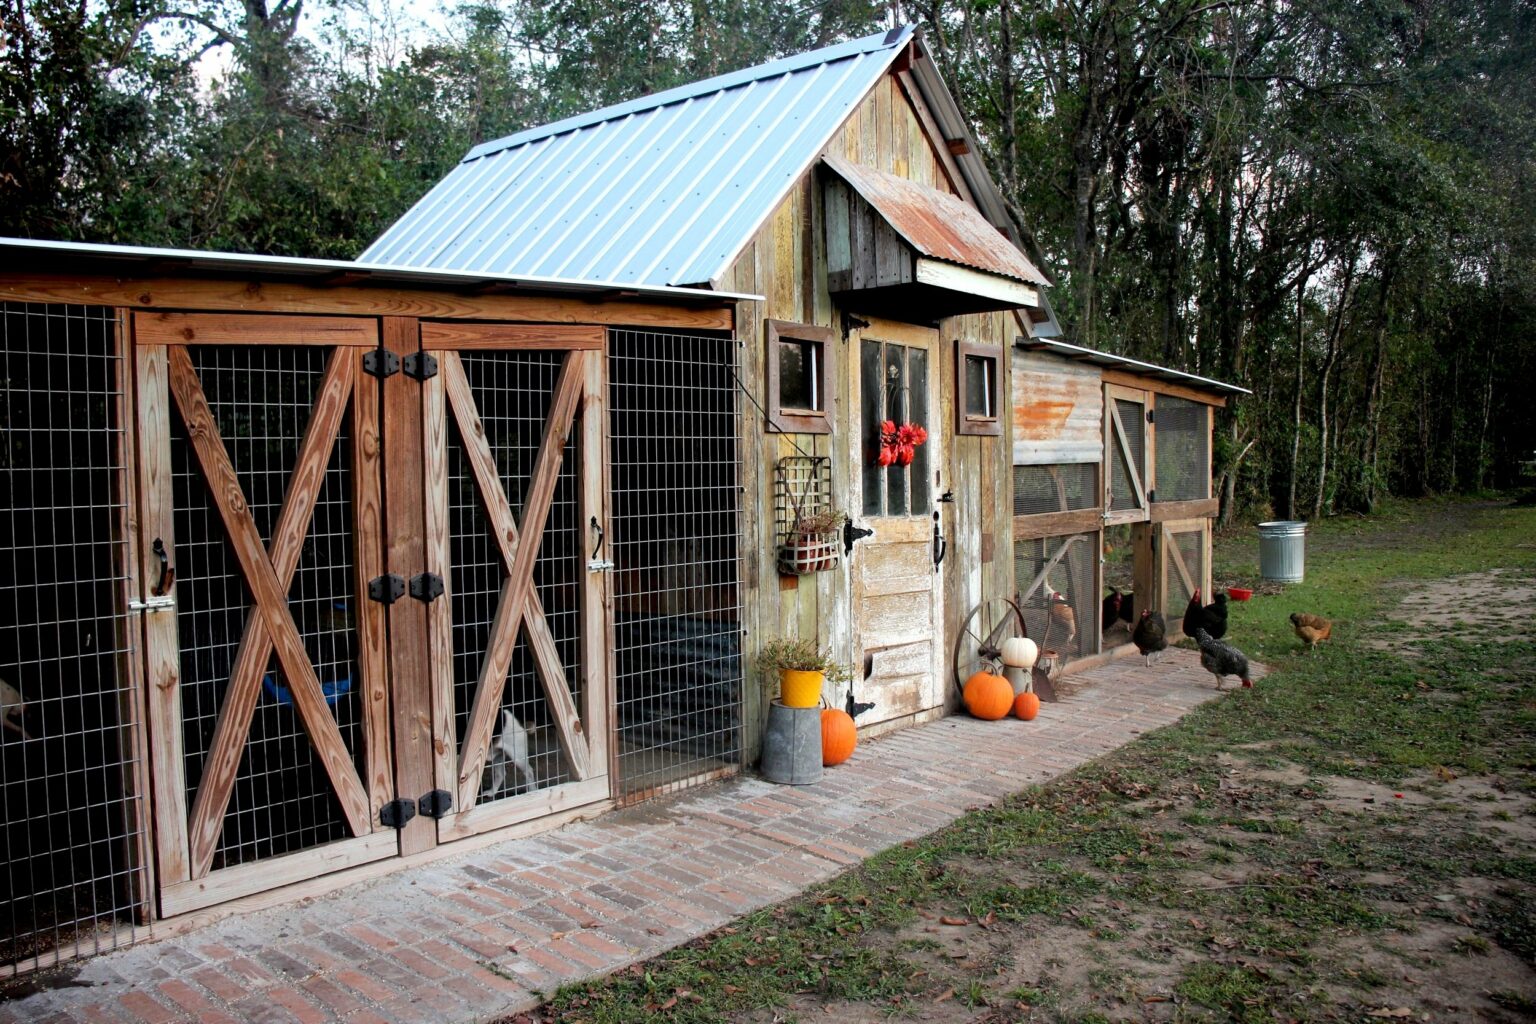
{"x":855,"y":708}
{"x":1221,"y":659}
{"x":1212,"y":617}
{"x":1194,"y":615}
{"x":1128,"y":608}
{"x":1150,"y":634}
{"x":1110,"y":610}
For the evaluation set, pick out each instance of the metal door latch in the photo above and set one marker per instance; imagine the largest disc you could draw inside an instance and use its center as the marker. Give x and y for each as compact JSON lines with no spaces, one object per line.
{"x":154,"y":604}
{"x":599,"y":565}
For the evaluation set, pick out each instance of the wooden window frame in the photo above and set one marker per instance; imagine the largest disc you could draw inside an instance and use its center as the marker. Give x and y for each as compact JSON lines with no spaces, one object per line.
{"x":965,"y":422}
{"x":799,"y":421}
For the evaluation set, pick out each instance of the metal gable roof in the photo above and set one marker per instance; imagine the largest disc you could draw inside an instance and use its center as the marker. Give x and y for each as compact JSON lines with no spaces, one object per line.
{"x":663,"y":190}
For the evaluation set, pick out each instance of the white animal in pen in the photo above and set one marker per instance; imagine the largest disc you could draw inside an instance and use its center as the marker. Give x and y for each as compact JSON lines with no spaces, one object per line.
{"x":509,"y":747}
{"x":11,"y":708}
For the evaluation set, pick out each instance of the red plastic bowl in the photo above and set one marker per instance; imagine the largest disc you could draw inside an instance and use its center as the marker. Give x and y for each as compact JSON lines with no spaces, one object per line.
{"x":1239,"y":593}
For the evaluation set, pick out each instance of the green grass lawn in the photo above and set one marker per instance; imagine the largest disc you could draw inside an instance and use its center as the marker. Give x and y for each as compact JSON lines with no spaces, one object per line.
{"x":1351,"y":840}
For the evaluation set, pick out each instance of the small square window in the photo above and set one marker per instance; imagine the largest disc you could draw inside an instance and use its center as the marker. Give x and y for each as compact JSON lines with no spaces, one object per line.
{"x":799,"y":378}
{"x":978,"y":374}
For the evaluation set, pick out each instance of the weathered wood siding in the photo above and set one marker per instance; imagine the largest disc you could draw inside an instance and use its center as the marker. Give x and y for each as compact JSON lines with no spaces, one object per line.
{"x":1058,"y":411}
{"x":787,"y":264}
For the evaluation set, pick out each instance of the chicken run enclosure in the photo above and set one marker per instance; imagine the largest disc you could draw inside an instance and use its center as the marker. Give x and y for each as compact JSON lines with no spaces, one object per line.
{"x":1112,"y":493}
{"x":297,"y":591}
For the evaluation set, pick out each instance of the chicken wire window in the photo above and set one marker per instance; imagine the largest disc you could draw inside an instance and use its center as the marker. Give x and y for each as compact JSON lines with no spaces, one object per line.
{"x":1056,"y":591}
{"x":676,"y":505}
{"x":1127,"y":454}
{"x":512,"y":393}
{"x":1063,"y":487}
{"x":1183,"y":567}
{"x":71,"y":854}
{"x":1183,"y":450}
{"x":282,"y":801}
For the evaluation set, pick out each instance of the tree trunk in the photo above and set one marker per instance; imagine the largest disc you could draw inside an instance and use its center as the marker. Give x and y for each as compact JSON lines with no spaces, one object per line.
{"x":1329,"y":360}
{"x":1301,"y":356}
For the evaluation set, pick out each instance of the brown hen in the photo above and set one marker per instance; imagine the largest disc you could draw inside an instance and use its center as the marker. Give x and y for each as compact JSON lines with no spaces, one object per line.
{"x":1314,"y":629}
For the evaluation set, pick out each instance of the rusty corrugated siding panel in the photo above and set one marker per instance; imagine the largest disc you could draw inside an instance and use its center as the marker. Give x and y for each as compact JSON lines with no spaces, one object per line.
{"x":1058,"y":411}
{"x":936,"y":224}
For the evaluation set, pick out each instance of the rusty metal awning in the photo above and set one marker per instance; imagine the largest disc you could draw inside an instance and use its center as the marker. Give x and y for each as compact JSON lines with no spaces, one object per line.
{"x":937,"y":225}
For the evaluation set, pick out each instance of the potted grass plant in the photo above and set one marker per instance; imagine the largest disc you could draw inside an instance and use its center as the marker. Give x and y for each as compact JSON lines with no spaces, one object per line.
{"x":803,"y":670}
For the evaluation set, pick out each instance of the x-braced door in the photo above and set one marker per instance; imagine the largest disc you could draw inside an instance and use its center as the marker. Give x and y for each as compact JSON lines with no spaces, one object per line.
{"x":260,"y":483}
{"x":516,"y":518}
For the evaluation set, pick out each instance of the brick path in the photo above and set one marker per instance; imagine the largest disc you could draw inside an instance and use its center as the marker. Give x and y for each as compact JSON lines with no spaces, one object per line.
{"x":471,"y":938}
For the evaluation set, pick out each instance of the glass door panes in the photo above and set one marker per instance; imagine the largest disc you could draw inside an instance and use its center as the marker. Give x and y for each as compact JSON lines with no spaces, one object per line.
{"x":893,"y":395}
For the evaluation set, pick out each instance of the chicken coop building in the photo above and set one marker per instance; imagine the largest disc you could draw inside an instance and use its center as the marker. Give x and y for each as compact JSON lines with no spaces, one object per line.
{"x":320,"y":568}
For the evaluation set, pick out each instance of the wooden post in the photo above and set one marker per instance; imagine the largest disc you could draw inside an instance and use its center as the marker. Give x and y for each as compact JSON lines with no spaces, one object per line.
{"x":405,"y":555}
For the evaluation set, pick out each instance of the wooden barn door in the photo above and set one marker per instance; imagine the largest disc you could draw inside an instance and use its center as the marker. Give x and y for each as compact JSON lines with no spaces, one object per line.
{"x":1127,"y":468}
{"x":517,"y":524}
{"x":260,"y":481}
{"x":897,"y":590}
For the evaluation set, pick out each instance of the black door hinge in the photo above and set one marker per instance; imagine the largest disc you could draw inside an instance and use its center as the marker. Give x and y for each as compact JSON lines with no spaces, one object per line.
{"x":420,"y":366}
{"x":381,"y":363}
{"x":1152,"y":494}
{"x":396,"y":813}
{"x":427,"y":587}
{"x":436,"y":803}
{"x":1151,"y":415}
{"x":386,"y":589}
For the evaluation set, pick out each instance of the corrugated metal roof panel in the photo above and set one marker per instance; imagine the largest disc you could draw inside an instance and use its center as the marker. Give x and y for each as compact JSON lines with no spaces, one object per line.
{"x":661,"y":190}
{"x":91,"y":257}
{"x":1088,"y":355}
{"x":937,"y":224}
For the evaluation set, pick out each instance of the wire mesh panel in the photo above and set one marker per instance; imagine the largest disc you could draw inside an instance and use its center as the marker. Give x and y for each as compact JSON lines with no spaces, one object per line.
{"x":1183,"y":568}
{"x":513,"y":394}
{"x":676,"y":494}
{"x":1183,"y":450}
{"x":71,"y":825}
{"x":1064,"y":487}
{"x":1119,"y":577}
{"x":1123,"y":490}
{"x":1057,"y":593}
{"x":282,"y":801}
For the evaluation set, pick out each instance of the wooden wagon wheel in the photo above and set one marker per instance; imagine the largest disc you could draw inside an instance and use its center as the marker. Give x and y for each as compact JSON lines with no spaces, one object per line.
{"x":980,"y":641}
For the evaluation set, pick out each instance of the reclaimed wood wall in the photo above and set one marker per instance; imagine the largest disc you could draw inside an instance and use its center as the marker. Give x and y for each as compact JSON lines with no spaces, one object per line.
{"x":787,"y":264}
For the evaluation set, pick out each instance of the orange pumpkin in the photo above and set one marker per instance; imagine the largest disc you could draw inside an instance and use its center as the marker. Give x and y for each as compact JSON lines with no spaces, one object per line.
{"x":838,"y":736}
{"x":988,"y":696}
{"x":1026,"y":706}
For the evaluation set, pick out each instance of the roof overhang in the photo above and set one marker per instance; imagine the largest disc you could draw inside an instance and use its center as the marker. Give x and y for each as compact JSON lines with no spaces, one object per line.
{"x":1150,"y":370}
{"x":958,"y":258}
{"x":38,"y":256}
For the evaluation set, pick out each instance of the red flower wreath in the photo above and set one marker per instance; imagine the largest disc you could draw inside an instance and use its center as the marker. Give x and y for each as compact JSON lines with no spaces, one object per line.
{"x":898,"y":444}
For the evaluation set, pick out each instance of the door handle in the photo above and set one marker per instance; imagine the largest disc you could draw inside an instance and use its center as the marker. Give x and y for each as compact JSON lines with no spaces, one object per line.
{"x":595,"y":564}
{"x":940,"y":545}
{"x":167,"y":577}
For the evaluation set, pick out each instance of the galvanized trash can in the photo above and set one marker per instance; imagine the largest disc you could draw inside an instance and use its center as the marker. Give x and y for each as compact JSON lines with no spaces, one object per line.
{"x":792,"y":745}
{"x":1283,"y":551}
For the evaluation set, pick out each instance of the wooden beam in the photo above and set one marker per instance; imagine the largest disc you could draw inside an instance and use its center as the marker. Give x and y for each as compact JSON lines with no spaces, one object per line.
{"x":162,"y":662}
{"x":1200,"y":508}
{"x":1127,"y":379}
{"x":255,"y":651}
{"x":437,"y":533}
{"x":256,"y":296}
{"x":1057,"y":524}
{"x":405,"y":555}
{"x":1045,"y":570}
{"x":255,"y":329}
{"x":269,"y":594}
{"x":368,"y":563}
{"x":503,"y":337}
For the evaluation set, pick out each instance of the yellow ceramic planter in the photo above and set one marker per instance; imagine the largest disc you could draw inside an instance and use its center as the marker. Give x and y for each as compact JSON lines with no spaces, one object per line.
{"x":798,"y":689}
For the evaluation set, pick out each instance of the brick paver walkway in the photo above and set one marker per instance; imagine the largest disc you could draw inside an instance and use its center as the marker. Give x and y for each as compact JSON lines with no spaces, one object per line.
{"x":471,"y":938}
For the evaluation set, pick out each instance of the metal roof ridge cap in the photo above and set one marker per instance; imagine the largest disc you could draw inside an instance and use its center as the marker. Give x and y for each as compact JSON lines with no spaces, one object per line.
{"x":890,"y":39}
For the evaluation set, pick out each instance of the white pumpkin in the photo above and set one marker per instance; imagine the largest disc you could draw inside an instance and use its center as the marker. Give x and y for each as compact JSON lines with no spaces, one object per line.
{"x":1020,"y":652}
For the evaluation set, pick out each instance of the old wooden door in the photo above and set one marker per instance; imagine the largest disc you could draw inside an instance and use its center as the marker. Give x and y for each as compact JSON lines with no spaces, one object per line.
{"x":1128,"y":470}
{"x":516,"y":529}
{"x":268,"y":703}
{"x":897,"y":589}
